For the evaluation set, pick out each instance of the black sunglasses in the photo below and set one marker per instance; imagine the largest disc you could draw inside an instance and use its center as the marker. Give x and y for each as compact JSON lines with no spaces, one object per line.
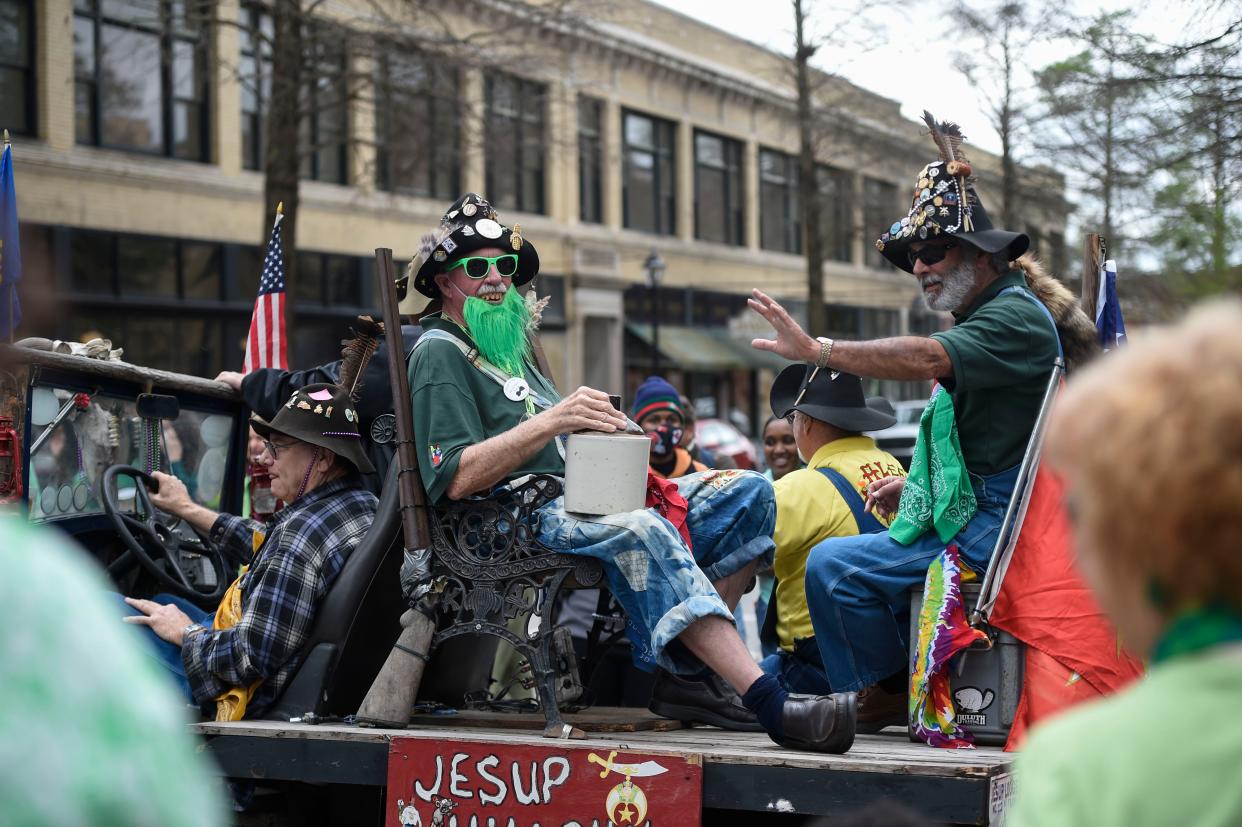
{"x":931,"y":254}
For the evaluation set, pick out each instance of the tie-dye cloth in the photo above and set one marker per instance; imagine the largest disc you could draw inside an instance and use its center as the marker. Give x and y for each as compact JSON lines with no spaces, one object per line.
{"x":943,"y":632}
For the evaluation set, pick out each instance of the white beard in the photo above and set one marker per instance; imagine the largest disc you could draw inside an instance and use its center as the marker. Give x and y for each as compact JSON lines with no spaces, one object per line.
{"x":955,"y":286}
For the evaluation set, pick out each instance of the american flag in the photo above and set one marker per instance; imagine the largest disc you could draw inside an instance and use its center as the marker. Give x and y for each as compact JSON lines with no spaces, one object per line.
{"x":265,"y":347}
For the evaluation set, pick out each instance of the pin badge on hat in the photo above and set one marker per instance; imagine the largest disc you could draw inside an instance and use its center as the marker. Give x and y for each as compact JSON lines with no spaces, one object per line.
{"x":487,"y":228}
{"x":516,"y":389}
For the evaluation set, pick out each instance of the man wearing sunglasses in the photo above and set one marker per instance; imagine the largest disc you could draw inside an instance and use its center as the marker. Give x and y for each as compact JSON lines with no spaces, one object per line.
{"x":994,"y":363}
{"x":485,"y":417}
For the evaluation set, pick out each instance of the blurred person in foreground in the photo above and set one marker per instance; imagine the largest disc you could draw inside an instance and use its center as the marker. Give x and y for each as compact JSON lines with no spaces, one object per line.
{"x":1148,"y":441}
{"x":93,"y":734}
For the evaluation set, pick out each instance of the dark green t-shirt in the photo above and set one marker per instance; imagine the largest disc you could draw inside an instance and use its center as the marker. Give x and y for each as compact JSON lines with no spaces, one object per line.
{"x":1002,"y":349}
{"x":456,"y":405}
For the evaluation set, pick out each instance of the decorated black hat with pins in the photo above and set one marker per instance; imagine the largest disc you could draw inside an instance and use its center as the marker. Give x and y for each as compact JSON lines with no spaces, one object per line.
{"x":945,"y":204}
{"x":469,"y":225}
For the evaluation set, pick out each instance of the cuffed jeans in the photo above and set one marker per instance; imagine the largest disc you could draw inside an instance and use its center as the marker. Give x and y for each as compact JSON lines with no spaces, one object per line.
{"x":858,"y":588}
{"x":660,"y":584}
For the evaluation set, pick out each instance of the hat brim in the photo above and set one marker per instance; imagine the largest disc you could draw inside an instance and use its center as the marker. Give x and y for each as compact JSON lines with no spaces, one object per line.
{"x":528,"y":260}
{"x":353,"y":452}
{"x":989,"y":241}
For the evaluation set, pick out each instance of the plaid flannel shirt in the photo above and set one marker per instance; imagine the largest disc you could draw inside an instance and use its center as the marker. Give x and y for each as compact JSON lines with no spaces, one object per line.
{"x":305,"y":547}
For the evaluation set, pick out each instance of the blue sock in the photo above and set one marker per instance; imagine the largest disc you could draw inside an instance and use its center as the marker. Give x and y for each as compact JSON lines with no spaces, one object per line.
{"x":766,"y":698}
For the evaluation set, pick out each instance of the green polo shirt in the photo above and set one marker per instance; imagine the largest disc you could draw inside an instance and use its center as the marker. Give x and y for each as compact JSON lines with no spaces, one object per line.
{"x":456,"y":405}
{"x":1002,"y":349}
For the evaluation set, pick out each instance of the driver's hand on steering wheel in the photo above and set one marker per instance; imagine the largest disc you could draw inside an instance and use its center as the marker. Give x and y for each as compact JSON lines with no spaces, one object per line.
{"x":172,"y":496}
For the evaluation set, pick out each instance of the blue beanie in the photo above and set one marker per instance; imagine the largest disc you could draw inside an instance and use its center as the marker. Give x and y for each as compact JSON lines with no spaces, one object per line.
{"x":656,"y":394}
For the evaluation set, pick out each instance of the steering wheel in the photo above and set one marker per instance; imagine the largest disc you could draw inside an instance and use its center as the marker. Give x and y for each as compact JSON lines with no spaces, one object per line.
{"x":155,"y":544}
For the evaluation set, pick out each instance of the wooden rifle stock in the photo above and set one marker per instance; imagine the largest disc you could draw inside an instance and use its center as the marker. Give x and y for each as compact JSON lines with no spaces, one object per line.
{"x":395,"y":689}
{"x":413,"y":499}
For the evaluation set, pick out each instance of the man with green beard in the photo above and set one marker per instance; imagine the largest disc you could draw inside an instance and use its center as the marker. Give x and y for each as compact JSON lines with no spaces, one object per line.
{"x":486,"y":418}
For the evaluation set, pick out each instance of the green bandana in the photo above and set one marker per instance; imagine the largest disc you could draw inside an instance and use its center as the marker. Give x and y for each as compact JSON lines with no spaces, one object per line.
{"x":938,"y":492}
{"x":1197,"y":630}
{"x":499,"y":330}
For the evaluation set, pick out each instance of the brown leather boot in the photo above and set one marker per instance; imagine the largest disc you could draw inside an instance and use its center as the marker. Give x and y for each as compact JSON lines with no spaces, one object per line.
{"x":878,"y":708}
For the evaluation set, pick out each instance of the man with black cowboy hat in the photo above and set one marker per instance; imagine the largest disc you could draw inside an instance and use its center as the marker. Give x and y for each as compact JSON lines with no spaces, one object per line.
{"x":994,"y":365}
{"x":486,"y":417}
{"x":245,"y":656}
{"x":828,"y":413}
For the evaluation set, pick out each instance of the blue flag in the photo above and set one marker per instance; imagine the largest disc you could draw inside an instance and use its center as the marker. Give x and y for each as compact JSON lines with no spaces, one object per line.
{"x":11,"y":251}
{"x":1108,"y":319}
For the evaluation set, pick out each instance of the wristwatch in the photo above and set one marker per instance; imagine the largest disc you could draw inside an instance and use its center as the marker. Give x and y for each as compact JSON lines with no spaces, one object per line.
{"x":825,"y":351}
{"x":192,"y":629}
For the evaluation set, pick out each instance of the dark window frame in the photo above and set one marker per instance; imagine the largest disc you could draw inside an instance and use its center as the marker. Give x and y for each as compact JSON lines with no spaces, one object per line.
{"x":527,"y":123}
{"x":166,"y":31}
{"x":664,"y":193}
{"x":837,"y":212}
{"x":733,"y":173}
{"x":29,"y":70}
{"x":591,"y":160}
{"x":876,"y":192}
{"x":439,"y":137}
{"x":327,"y":56}
{"x":784,"y":185}
{"x":257,"y":48}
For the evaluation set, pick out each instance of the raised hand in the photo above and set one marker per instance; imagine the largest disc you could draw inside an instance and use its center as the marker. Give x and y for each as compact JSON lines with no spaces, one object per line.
{"x":791,"y":341}
{"x":585,"y":409}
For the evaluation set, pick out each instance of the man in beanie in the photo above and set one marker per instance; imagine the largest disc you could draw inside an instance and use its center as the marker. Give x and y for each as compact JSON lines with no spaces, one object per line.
{"x":825,"y":499}
{"x":244,"y":654}
{"x":485,"y":417}
{"x":658,"y":411}
{"x":994,"y":365}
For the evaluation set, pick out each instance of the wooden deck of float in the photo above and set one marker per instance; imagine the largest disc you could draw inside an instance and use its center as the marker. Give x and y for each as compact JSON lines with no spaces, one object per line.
{"x":741,"y":771}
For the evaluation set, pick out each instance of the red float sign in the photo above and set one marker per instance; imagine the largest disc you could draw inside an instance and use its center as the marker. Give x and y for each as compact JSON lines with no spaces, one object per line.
{"x":438,"y":783}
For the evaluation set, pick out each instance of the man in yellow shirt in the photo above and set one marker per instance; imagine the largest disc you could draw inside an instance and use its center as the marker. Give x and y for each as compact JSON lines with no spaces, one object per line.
{"x":827,"y":412}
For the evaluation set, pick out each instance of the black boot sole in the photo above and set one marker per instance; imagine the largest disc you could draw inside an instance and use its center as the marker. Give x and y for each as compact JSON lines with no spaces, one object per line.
{"x":698,"y":715}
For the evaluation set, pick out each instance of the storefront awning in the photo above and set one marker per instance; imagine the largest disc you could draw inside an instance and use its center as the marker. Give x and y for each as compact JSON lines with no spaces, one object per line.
{"x":706,"y":349}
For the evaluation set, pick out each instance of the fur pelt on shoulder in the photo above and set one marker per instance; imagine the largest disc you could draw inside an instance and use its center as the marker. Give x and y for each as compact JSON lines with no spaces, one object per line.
{"x":1078,"y":334}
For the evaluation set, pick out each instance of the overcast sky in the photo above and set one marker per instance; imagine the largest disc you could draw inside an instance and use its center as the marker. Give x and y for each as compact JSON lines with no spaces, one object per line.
{"x":906,"y":51}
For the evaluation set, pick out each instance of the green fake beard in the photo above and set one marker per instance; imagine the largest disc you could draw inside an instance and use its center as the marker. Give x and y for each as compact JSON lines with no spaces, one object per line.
{"x":499,"y":330}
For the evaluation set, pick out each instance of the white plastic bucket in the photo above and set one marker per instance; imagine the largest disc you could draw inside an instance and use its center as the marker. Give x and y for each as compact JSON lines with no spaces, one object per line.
{"x":606,"y":473}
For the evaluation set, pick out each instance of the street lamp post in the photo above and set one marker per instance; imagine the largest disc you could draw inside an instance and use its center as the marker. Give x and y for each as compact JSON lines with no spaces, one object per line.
{"x":655,"y":272}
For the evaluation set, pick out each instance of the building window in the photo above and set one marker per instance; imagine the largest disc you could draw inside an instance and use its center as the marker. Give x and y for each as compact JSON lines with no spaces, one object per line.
{"x":17,"y":37}
{"x":515,"y":126}
{"x":140,"y":76}
{"x":650,"y":174}
{"x":718,"y":193}
{"x":1037,"y":243}
{"x":256,"y":83}
{"x":324,"y":127}
{"x":417,"y":127}
{"x":836,"y":188}
{"x":780,"y":215}
{"x":590,"y":160}
{"x":1056,"y":255}
{"x":879,"y":209}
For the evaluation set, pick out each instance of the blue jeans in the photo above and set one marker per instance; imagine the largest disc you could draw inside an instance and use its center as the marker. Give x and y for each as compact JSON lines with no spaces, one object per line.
{"x":166,"y":654}
{"x":858,"y":588}
{"x":801,"y":670}
{"x":660,"y":584}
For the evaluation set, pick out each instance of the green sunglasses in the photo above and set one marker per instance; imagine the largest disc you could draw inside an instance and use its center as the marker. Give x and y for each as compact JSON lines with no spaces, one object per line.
{"x":477,"y":267}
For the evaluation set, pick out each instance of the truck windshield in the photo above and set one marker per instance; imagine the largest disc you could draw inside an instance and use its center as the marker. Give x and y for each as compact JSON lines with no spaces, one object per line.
{"x":103,"y":431}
